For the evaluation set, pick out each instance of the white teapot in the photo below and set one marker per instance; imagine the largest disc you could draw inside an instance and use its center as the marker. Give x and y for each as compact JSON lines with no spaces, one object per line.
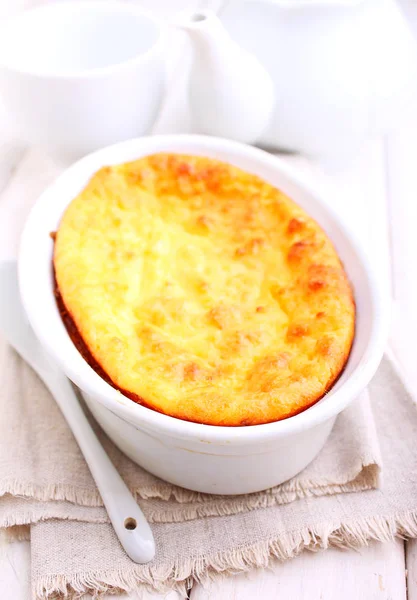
{"x":341,"y":70}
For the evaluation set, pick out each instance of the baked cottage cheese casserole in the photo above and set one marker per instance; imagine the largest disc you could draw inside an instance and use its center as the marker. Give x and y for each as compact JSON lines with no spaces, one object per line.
{"x":203,"y":292}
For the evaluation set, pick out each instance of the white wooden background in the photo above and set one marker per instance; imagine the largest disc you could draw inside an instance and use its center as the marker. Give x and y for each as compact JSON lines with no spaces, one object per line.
{"x":377,"y":195}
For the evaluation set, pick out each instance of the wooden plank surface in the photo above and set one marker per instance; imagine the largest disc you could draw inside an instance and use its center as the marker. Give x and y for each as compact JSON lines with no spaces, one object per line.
{"x":373,"y":573}
{"x":377,"y":197}
{"x":402,"y":181}
{"x":401,"y":164}
{"x":14,"y":570}
{"x":401,"y":175}
{"x":15,"y":577}
{"x":411,"y":564}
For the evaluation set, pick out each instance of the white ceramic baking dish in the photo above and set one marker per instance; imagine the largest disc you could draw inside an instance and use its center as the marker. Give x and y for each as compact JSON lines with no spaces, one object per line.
{"x":220,"y":460}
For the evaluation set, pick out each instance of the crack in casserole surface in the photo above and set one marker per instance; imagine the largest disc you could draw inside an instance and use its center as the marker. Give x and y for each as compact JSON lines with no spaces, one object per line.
{"x":204,"y":292}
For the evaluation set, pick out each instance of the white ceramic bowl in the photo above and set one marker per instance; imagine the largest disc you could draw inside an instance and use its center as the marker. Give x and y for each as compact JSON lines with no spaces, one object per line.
{"x":220,"y":460}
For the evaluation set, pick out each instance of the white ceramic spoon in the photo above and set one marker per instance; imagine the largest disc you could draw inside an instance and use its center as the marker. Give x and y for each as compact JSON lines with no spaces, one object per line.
{"x":128,"y":521}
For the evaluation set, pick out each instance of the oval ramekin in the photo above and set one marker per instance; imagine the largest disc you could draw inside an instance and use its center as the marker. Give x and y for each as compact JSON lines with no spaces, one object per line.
{"x":204,"y":458}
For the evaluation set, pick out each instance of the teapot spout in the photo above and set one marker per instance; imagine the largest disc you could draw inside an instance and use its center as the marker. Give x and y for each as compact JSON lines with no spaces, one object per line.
{"x":231,"y":94}
{"x":204,"y":28}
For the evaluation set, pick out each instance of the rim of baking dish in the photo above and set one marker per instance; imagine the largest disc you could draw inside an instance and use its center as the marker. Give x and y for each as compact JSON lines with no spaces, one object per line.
{"x":39,"y":301}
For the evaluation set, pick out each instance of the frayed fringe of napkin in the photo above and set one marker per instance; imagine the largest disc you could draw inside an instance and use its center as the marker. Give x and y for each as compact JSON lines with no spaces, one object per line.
{"x":204,"y":505}
{"x":181,"y":574}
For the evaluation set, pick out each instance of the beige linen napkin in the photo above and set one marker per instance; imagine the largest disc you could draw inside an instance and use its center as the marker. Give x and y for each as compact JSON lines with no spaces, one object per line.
{"x":45,"y":484}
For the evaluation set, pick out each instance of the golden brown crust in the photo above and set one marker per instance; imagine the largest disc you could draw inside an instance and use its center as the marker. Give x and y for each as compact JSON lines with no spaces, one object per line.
{"x":203,"y":292}
{"x":82,"y":347}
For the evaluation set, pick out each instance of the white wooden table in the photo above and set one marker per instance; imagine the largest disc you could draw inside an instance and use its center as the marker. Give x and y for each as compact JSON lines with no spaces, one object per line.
{"x":377,"y":195}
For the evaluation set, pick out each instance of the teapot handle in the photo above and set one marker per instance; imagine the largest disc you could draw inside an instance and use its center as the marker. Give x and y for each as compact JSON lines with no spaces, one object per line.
{"x":230,"y":92}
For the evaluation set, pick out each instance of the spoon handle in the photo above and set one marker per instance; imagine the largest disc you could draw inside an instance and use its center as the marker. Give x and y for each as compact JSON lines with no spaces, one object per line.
{"x":127,"y":519}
